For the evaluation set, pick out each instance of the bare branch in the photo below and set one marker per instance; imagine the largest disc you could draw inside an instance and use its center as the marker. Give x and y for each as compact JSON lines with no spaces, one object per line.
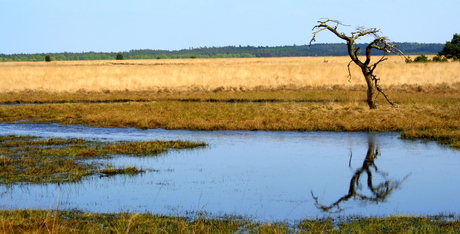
{"x":313,"y":39}
{"x":378,"y":193}
{"x":361,"y":31}
{"x":377,"y":86}
{"x":327,"y":20}
{"x":373,"y":66}
{"x":349,"y":71}
{"x":380,"y":43}
{"x":357,"y":51}
{"x":323,"y":25}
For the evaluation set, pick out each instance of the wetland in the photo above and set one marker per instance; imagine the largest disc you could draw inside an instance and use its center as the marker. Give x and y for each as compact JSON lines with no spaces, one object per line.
{"x":223,"y":153}
{"x":265,"y":176}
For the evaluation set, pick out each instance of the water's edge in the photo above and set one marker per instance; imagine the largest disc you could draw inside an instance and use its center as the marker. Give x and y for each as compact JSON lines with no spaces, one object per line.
{"x":257,"y":174}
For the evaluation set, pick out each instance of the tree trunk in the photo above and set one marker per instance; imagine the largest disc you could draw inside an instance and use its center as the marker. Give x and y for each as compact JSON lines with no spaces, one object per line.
{"x":371,"y":89}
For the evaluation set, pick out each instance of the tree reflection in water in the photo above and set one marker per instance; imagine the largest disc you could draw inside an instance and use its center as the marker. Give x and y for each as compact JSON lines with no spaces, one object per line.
{"x":379,"y":193}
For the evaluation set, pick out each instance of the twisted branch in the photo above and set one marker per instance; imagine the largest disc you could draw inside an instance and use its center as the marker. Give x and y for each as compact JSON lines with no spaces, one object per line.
{"x":380,"y":43}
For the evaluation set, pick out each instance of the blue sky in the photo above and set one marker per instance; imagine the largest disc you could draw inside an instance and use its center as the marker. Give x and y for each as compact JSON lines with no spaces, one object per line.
{"x":44,"y":26}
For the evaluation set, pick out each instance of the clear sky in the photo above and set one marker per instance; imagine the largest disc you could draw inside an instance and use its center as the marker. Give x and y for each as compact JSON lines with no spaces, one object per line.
{"x":44,"y":26}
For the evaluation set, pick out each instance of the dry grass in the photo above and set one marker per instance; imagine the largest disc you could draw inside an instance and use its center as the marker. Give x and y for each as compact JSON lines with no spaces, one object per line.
{"x":240,"y":74}
{"x":49,"y":221}
{"x":428,"y":94}
{"x":432,"y":115}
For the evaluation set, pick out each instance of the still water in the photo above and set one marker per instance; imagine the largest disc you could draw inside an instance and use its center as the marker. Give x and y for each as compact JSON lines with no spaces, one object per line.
{"x":266,"y":176}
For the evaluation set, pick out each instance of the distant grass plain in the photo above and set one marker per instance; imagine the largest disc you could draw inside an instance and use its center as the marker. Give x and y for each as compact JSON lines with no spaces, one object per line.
{"x":275,"y":94}
{"x":231,"y":74}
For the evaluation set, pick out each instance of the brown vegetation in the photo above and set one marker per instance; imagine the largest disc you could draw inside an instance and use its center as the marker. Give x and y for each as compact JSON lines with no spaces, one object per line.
{"x":241,"y":74}
{"x":300,"y":94}
{"x":430,"y":115}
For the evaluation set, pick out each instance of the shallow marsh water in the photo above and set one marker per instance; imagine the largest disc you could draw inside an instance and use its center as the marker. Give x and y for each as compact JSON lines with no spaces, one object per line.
{"x":267,"y":176}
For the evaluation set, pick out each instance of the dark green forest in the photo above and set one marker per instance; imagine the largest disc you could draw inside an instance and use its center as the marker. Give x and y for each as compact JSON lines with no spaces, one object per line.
{"x":333,"y":49}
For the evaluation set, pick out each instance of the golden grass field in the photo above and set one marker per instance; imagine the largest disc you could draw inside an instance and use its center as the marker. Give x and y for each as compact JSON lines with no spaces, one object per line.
{"x":231,"y":74}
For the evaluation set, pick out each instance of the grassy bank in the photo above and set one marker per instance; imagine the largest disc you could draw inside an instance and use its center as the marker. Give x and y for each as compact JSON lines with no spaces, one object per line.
{"x":337,"y":93}
{"x":36,"y":160}
{"x":429,"y":115}
{"x":42,"y":221}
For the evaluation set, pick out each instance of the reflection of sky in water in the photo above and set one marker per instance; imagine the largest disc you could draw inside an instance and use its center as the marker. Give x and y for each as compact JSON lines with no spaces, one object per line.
{"x":267,"y":175}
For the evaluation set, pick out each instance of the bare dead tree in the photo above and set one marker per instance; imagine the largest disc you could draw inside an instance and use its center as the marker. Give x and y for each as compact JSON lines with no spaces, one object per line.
{"x":380,"y":43}
{"x":379,"y":193}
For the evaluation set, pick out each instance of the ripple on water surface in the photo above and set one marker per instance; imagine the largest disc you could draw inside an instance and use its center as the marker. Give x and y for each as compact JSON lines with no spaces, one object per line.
{"x":264,"y":175}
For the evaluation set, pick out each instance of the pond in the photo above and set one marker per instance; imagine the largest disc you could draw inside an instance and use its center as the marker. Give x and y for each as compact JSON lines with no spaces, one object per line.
{"x":265,"y":176}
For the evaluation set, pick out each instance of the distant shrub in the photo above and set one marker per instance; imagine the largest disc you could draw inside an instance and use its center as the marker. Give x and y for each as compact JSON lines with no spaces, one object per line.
{"x":439,"y":59}
{"x":424,"y":59}
{"x":48,"y":58}
{"x":421,"y":59}
{"x":119,"y":56}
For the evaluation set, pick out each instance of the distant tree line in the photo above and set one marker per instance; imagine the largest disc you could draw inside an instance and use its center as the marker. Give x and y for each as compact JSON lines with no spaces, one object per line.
{"x":451,"y":50}
{"x":331,"y":49}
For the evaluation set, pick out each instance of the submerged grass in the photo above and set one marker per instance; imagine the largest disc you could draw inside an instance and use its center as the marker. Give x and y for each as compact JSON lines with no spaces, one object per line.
{"x":45,"y":221}
{"x":127,"y":170}
{"x":36,"y":160}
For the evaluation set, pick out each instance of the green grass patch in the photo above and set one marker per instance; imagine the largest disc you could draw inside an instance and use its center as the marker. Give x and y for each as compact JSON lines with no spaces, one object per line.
{"x":36,"y":160}
{"x":448,"y":136}
{"x":127,"y":170}
{"x":45,"y":221}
